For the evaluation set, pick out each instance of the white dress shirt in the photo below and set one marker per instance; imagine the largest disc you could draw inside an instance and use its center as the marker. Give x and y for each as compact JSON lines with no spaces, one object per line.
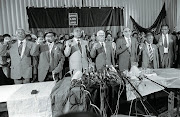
{"x":50,"y":45}
{"x":23,"y":47}
{"x":127,"y":40}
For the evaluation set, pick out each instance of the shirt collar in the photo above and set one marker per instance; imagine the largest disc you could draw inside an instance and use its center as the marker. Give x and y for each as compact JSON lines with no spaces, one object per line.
{"x":76,"y":39}
{"x":127,"y":38}
{"x":19,"y":42}
{"x":101,"y":42}
{"x":164,"y":35}
{"x":50,"y":43}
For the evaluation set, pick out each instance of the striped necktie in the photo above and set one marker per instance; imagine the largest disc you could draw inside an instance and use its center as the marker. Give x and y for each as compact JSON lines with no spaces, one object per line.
{"x":150,"y":52}
{"x":129,"y":41}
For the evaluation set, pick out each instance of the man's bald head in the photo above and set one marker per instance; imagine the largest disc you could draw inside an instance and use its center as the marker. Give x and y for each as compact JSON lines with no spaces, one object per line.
{"x":127,"y":32}
{"x":20,"y":34}
{"x":101,"y":35}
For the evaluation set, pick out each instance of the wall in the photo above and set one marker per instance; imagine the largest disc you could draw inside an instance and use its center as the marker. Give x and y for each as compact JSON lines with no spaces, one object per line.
{"x":13,"y":12}
{"x":178,"y":16}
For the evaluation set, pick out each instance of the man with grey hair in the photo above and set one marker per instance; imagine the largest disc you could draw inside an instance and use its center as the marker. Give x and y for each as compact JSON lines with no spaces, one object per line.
{"x":20,"y":54}
{"x":126,"y":50}
{"x":102,"y":51}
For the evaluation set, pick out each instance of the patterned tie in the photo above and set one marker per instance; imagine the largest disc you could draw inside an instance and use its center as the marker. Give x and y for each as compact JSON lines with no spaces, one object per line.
{"x":79,"y":45}
{"x":20,"y":48}
{"x":150,"y":53}
{"x":165,"y":41}
{"x":129,"y":41}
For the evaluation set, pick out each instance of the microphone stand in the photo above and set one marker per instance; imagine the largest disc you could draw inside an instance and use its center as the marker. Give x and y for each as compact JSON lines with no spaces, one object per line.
{"x":155,"y":82}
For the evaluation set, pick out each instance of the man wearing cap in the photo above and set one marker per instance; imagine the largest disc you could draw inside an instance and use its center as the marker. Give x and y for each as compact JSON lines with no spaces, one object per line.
{"x":76,"y":49}
{"x":20,"y":54}
{"x":126,"y":50}
{"x":51,"y":58}
{"x":102,"y":51}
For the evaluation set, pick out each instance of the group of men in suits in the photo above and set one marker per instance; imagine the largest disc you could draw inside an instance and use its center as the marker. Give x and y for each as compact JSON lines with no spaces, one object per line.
{"x":21,"y":52}
{"x":153,"y":52}
{"x":158,"y":51}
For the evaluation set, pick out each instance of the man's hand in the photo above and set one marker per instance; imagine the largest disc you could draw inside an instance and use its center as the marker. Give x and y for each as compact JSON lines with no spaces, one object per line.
{"x":40,"y":40}
{"x":95,"y":46}
{"x":6,"y":41}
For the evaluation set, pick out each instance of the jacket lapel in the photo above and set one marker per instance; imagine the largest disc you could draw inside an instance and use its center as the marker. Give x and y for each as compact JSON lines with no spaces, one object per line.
{"x":146,"y":49}
{"x":25,"y":49}
{"x":16,"y":48}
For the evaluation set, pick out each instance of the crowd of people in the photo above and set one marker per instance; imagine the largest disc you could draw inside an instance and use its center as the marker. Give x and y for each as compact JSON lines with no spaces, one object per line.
{"x":26,"y":58}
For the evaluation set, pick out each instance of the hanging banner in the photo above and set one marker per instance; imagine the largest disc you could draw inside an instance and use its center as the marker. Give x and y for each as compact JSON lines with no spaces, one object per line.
{"x":73,"y":19}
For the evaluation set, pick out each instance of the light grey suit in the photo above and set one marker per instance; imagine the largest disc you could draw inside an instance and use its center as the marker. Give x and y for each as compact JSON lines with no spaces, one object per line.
{"x":78,"y":60}
{"x":20,"y":67}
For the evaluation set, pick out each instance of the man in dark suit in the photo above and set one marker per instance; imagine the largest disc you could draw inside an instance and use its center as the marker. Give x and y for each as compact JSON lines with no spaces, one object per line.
{"x":102,"y":51}
{"x":51,"y":58}
{"x":167,"y":47}
{"x":20,"y":54}
{"x":126,"y":50}
{"x":149,"y":52}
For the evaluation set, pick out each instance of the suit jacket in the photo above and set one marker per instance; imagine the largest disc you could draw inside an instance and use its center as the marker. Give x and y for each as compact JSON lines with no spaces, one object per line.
{"x":78,"y":60}
{"x":146,"y":59}
{"x":47,"y":64}
{"x":5,"y":64}
{"x":171,"y":48}
{"x":125,"y":56}
{"x":20,"y":67}
{"x":103,"y":58}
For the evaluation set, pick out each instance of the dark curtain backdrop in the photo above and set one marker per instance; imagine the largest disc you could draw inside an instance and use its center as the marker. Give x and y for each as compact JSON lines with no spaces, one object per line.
{"x":156,"y":25}
{"x":90,"y":19}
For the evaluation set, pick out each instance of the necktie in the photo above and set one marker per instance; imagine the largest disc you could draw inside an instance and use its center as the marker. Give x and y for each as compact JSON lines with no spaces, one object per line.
{"x":102,"y":44}
{"x":129,"y":41}
{"x":150,"y":53}
{"x":20,"y":48}
{"x":79,"y":45}
{"x":51,"y":56}
{"x":165,"y":41}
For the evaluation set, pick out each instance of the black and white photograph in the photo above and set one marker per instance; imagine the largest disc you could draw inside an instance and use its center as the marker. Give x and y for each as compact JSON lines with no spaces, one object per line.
{"x":89,"y":58}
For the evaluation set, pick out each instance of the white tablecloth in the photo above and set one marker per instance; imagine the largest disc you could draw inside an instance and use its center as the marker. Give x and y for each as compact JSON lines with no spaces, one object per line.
{"x":7,"y":90}
{"x":24,"y":104}
{"x":169,"y":78}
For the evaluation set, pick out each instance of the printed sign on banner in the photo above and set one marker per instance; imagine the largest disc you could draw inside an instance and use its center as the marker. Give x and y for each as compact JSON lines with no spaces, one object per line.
{"x":73,"y":19}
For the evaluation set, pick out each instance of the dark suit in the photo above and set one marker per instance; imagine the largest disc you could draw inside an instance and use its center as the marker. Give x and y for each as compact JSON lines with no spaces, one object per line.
{"x":166,"y":60}
{"x":103,"y":58}
{"x":125,"y":56}
{"x":146,"y":59}
{"x":50,"y":64}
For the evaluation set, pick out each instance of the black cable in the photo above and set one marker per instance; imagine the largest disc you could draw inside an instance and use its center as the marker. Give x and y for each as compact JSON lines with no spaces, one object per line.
{"x":141,"y":97}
